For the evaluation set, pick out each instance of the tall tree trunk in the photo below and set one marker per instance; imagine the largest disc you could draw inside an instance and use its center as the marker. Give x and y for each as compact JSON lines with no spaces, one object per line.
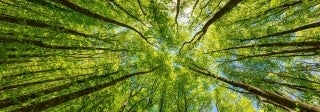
{"x":281,"y":100}
{"x":301,"y":28}
{"x":64,"y":98}
{"x":40,"y":24}
{"x":89,"y":13}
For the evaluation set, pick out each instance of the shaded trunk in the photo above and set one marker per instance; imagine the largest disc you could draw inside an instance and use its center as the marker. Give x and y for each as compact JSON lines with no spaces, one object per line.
{"x":49,"y":5}
{"x":140,"y":6}
{"x":40,"y":24}
{"x":281,"y":100}
{"x":301,"y":28}
{"x":87,"y":12}
{"x":12,"y":101}
{"x":277,"y":9}
{"x":277,"y":105}
{"x":194,"y":7}
{"x":177,"y":12}
{"x":300,"y":44}
{"x":296,"y":52}
{"x":5,"y":88}
{"x":125,"y":11}
{"x":230,"y":5}
{"x":44,"y":45}
{"x":67,"y":97}
{"x":30,"y":72}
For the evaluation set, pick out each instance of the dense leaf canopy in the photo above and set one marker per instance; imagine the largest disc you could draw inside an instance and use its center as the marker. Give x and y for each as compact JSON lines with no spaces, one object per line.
{"x":160,"y":55}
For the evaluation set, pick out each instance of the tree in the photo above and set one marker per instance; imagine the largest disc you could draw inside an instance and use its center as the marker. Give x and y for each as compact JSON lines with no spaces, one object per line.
{"x":160,"y":55}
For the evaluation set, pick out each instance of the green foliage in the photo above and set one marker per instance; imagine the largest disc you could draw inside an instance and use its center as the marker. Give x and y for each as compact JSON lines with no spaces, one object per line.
{"x":53,"y":48}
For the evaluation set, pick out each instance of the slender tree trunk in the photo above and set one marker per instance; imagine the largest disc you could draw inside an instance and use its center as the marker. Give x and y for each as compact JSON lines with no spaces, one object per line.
{"x":281,"y":100}
{"x":64,"y":98}
{"x":45,"y":45}
{"x":40,"y":24}
{"x":230,"y":5}
{"x":292,"y":44}
{"x":89,"y":13}
{"x":23,"y":98}
{"x":301,"y":28}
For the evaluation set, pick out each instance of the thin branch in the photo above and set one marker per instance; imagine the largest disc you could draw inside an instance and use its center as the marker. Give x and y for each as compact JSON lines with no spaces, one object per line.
{"x":236,"y":90}
{"x":23,"y":98}
{"x":209,"y":14}
{"x":308,"y":43}
{"x":41,"y":24}
{"x":87,"y":12}
{"x":125,"y":11}
{"x":276,"y":104}
{"x":285,"y":101}
{"x":67,"y":97}
{"x":177,"y":11}
{"x":205,"y":5}
{"x":229,"y":6}
{"x":44,"y":45}
{"x":141,"y":9}
{"x":281,"y":7}
{"x":306,"y":50}
{"x":301,"y":28}
{"x":194,"y":6}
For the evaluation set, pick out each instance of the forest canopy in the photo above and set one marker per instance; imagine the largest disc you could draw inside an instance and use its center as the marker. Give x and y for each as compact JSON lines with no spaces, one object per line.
{"x":160,"y":55}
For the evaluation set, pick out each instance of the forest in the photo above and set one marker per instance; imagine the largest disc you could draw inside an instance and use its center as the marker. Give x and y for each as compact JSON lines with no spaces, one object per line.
{"x":160,"y":55}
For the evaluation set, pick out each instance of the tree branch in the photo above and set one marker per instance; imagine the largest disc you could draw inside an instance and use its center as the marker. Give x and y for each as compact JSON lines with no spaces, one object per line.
{"x":67,"y":97}
{"x":231,"y":4}
{"x":87,"y":12}
{"x":308,"y":43}
{"x":301,"y":28}
{"x":281,"y":100}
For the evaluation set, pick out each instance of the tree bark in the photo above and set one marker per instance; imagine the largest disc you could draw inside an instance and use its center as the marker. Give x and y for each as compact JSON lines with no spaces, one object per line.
{"x":274,"y":9}
{"x":44,"y":45}
{"x":281,"y":100}
{"x":40,"y":24}
{"x":301,"y":28}
{"x":87,"y":12}
{"x":23,"y":98}
{"x":300,"y":44}
{"x":231,"y":4}
{"x":295,"y":52}
{"x":64,"y":98}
